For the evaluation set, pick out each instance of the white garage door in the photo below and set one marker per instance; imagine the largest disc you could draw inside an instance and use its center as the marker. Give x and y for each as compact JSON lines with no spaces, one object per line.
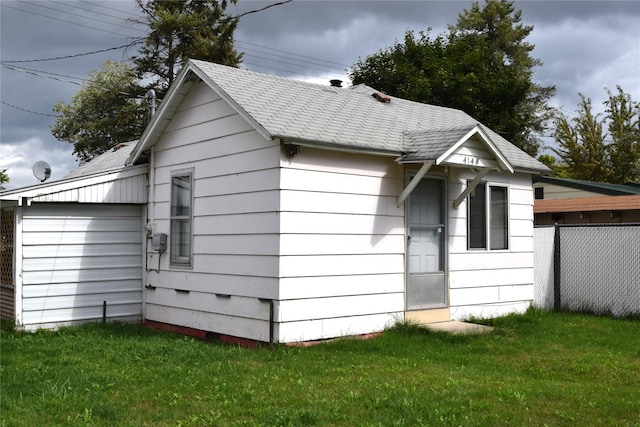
{"x":79,"y":259}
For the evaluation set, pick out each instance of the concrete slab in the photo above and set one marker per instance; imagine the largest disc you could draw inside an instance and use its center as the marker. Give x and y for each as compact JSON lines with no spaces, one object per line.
{"x":455,"y":327}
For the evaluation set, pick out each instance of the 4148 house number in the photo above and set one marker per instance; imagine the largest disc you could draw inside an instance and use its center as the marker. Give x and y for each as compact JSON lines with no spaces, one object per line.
{"x":467,"y":160}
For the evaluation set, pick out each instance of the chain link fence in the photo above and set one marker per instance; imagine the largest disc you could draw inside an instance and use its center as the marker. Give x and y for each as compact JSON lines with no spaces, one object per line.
{"x":594,"y":268}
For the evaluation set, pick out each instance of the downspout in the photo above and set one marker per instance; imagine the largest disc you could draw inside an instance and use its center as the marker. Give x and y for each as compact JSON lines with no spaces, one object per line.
{"x":151,"y":98}
{"x":151,"y":197}
{"x":271,"y":318}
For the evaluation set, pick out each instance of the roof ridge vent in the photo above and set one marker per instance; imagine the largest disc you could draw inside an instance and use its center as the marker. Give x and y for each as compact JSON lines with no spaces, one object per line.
{"x":381,"y":97}
{"x":335,"y":83}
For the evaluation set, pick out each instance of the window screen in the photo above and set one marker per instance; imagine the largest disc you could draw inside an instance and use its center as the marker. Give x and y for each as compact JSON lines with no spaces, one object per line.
{"x":488,"y":214}
{"x":181,"y":213}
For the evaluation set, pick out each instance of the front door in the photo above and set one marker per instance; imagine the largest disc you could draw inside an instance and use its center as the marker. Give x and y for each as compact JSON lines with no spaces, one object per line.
{"x":426,"y":278}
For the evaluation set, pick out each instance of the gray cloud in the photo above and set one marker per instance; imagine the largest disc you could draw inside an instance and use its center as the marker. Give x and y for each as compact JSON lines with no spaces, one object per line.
{"x":585,"y":46}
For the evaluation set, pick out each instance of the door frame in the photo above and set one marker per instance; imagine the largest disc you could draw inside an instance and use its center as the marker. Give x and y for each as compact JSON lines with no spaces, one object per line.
{"x":440,"y":313}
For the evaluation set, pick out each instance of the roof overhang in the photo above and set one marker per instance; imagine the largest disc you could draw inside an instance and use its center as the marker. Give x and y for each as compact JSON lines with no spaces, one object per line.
{"x":24,"y":195}
{"x":336,"y":147}
{"x":470,"y":148}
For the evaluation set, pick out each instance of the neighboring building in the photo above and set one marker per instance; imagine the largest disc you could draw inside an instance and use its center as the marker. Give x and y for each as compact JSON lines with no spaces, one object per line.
{"x":286,"y":211}
{"x":572,"y":201}
{"x":588,"y":210}
{"x":551,"y":188}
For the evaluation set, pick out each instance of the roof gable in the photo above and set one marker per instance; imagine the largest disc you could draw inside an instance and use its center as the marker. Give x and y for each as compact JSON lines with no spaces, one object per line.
{"x":467,"y":146}
{"x":331,"y":117}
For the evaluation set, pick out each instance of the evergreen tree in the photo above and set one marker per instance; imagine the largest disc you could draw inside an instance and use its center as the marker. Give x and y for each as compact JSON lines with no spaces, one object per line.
{"x":180,"y":30}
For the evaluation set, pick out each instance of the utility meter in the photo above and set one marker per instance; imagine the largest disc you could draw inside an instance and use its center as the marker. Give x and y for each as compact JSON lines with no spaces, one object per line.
{"x":159,"y":242}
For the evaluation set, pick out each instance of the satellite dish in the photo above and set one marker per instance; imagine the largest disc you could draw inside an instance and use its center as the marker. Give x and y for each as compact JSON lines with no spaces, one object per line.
{"x":42,"y":170}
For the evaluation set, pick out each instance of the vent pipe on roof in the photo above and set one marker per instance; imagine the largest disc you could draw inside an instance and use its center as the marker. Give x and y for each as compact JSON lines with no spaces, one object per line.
{"x":151,"y":97}
{"x":381,"y":97}
{"x":335,"y":83}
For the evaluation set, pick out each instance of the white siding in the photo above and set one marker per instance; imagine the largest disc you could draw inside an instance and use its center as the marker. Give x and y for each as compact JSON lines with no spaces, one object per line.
{"x":127,"y":186}
{"x":341,"y":245}
{"x":235,"y":221}
{"x":491,"y":283}
{"x":75,"y":257}
{"x":554,"y":192}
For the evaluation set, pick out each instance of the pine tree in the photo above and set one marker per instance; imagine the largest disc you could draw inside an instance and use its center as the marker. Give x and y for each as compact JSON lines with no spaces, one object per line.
{"x":180,"y":30}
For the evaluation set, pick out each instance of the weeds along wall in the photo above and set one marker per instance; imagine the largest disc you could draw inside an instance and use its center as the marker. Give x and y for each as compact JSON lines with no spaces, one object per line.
{"x":593,"y":268}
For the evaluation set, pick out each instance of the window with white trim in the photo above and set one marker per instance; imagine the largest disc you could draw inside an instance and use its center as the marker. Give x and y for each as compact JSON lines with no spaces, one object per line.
{"x":181,"y":218}
{"x":488,"y":213}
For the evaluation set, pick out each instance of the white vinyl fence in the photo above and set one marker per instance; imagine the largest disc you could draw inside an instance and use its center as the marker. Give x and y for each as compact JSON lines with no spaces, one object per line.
{"x":594,"y":268}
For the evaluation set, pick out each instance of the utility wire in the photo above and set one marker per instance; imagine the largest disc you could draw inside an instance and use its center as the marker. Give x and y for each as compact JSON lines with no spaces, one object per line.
{"x":44,"y":74}
{"x":261,"y":9}
{"x":22,"y":61}
{"x":95,"y":4}
{"x":101,"y":14}
{"x":3,"y":4}
{"x":139,"y":40}
{"x":102,"y":21}
{"x":28,"y":111}
{"x":291,"y":53}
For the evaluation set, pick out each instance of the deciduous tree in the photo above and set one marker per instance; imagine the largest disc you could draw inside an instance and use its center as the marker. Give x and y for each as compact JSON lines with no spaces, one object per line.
{"x":4,"y":178}
{"x":106,"y":111}
{"x":483,"y":66}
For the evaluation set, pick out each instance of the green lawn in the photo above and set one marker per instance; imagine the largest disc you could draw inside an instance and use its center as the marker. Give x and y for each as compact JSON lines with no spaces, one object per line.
{"x":533,"y":370}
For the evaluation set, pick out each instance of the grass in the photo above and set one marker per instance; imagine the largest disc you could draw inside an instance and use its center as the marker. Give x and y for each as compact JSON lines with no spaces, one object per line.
{"x":535,"y":369}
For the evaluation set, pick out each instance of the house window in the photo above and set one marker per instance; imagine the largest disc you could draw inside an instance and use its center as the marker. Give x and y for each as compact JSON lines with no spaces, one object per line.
{"x":181,"y":214}
{"x":539,"y":193}
{"x":488,"y":211}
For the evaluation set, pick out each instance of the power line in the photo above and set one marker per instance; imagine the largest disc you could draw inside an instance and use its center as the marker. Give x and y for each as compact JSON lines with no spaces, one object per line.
{"x":108,"y":8}
{"x":137,"y":41}
{"x":266,"y":50}
{"x":74,"y":55}
{"x":287,"y":57}
{"x":261,"y":9}
{"x":291,"y":53}
{"x":43,"y":74}
{"x":58,"y":19}
{"x":28,"y":111}
{"x":101,"y":21}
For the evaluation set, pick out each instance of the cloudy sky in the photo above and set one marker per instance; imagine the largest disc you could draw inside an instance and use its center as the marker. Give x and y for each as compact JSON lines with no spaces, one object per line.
{"x":586,"y":46}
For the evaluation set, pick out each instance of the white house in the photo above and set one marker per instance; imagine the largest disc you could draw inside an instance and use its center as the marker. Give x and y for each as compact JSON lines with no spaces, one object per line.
{"x":286,"y":211}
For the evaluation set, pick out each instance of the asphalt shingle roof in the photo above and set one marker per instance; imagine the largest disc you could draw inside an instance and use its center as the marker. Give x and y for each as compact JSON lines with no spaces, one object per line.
{"x":348,"y":117}
{"x":431,"y":143}
{"x":109,"y":160}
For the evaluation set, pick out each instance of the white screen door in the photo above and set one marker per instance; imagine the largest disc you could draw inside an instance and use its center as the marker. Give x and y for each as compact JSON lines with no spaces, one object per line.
{"x":426,"y":281}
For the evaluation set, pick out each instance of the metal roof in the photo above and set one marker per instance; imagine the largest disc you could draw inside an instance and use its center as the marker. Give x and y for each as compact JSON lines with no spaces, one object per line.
{"x":587,"y":204}
{"x":348,"y":118}
{"x":76,"y":186}
{"x":595,"y":187}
